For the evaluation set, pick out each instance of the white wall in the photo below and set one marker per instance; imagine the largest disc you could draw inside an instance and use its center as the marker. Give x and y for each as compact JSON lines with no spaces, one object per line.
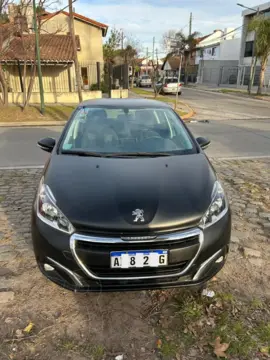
{"x":207,"y":54}
{"x":230,"y":49}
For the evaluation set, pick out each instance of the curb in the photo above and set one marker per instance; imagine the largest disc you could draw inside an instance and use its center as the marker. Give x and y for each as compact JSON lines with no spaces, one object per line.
{"x":189,"y":114}
{"x":32,"y":123}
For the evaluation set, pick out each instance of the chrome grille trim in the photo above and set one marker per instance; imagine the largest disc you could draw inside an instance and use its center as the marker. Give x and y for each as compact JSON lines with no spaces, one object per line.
{"x":175,"y":236}
{"x":130,"y":239}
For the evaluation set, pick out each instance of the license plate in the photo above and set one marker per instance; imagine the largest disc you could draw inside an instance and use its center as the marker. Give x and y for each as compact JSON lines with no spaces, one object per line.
{"x":139,"y":259}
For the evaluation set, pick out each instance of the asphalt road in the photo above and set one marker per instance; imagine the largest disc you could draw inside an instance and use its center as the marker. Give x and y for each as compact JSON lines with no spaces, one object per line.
{"x":209,"y":105}
{"x":243,"y":132}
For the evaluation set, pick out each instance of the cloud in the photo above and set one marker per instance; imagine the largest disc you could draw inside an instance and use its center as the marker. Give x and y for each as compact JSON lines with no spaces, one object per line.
{"x":151,"y":18}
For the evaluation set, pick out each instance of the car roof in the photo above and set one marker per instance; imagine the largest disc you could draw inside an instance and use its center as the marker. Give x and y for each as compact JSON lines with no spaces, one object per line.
{"x":125,"y":103}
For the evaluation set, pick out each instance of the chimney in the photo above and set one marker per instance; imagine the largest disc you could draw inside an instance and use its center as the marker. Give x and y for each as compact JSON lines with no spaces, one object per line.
{"x":12,"y":12}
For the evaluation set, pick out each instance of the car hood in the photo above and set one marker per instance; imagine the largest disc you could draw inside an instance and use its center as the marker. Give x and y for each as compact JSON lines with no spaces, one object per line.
{"x":103,"y":194}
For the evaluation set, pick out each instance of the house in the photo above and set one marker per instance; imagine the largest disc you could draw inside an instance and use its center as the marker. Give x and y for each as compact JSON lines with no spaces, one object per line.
{"x":220,"y":45}
{"x":146,"y":65}
{"x":56,"y":49}
{"x":217,"y":56}
{"x":171,"y":65}
{"x":247,"y":45}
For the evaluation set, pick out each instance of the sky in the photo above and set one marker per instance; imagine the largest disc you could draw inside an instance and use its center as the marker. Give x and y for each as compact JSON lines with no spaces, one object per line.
{"x":145,"y":19}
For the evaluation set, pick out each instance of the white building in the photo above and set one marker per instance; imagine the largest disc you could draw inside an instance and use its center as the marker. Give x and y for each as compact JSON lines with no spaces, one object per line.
{"x":247,"y":44}
{"x":220,"y":45}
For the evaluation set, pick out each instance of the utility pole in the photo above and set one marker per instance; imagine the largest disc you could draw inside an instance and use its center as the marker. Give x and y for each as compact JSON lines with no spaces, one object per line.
{"x":41,"y":90}
{"x":76,"y":63}
{"x":147,"y":61}
{"x":122,"y":39}
{"x":153,"y":54}
{"x":190,"y":24}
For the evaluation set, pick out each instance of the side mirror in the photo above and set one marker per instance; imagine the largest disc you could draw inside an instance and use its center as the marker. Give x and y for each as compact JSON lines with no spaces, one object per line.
{"x":203,"y":142}
{"x":46,"y":144}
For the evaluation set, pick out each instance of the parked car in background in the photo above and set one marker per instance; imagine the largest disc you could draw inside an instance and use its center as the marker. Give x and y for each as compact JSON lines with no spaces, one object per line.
{"x":129,"y":201}
{"x":144,"y":81}
{"x":169,"y":85}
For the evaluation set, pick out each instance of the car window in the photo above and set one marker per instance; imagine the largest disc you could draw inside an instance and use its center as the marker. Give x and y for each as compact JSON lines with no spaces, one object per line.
{"x":171,"y":80}
{"x":127,"y":130}
{"x":145,"y":77}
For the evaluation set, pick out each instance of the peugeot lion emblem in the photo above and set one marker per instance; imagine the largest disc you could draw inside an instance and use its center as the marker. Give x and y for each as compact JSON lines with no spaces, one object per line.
{"x":139,"y":215}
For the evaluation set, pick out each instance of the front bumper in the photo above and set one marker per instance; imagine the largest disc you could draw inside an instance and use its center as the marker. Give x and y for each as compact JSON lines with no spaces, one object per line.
{"x":81,"y":262}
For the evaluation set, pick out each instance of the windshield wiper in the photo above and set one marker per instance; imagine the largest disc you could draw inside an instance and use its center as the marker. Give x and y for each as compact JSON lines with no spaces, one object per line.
{"x":82,"y":153}
{"x":118,"y":154}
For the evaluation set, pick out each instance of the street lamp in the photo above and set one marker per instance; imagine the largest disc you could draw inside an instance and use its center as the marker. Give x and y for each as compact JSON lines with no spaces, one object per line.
{"x":246,"y":7}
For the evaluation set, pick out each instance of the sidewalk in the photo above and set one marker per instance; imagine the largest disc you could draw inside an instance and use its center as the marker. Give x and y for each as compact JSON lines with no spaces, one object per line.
{"x":233,"y":90}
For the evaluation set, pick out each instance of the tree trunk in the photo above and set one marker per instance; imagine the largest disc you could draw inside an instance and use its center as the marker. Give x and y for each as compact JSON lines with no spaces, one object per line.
{"x":4,"y":87}
{"x":261,"y":78}
{"x":76,"y":63}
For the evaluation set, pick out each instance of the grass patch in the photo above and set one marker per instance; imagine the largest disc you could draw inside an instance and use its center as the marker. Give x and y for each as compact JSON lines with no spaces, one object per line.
{"x":239,"y":91}
{"x":168,"y":349}
{"x":142,"y":92}
{"x":14,"y":113}
{"x":1,"y":198}
{"x":197,"y":321}
{"x":94,"y":352}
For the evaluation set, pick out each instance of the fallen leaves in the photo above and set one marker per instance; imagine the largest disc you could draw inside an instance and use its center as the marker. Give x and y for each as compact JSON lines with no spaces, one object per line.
{"x":28,"y":328}
{"x":159,"y":343}
{"x":219,"y":348}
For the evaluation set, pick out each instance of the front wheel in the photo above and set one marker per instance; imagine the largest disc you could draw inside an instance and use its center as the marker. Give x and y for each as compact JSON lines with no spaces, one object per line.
{"x":180,"y":93}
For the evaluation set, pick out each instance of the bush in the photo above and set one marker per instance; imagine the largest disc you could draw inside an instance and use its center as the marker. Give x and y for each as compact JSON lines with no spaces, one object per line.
{"x":103,"y":87}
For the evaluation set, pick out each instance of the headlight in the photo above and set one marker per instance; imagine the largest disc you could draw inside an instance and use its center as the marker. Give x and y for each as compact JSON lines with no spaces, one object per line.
{"x":48,"y":211}
{"x":217,"y":208}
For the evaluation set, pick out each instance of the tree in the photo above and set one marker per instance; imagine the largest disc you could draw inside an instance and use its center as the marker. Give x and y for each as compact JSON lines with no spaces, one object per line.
{"x":261,"y":25}
{"x":167,"y":39}
{"x":76,"y":63}
{"x":185,"y":42}
{"x":130,"y":55}
{"x":111,"y":46}
{"x":154,"y":74}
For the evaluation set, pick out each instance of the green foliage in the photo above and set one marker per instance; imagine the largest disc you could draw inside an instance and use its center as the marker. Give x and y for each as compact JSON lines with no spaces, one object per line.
{"x":103,"y":87}
{"x":4,"y":18}
{"x":261,"y":25}
{"x":110,"y":48}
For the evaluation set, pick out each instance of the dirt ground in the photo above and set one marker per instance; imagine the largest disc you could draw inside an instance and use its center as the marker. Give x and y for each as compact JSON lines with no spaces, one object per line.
{"x":39,"y":320}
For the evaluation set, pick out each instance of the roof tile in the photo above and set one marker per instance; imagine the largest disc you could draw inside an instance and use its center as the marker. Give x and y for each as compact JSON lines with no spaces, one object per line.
{"x":52,"y":48}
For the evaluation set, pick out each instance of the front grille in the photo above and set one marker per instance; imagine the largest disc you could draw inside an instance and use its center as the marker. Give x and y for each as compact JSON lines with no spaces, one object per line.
{"x":126,"y":245}
{"x":96,"y":255}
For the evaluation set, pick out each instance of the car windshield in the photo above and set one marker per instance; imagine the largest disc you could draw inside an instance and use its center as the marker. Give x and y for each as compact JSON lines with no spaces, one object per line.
{"x":145,"y":77}
{"x":171,"y":80}
{"x":127,"y":131}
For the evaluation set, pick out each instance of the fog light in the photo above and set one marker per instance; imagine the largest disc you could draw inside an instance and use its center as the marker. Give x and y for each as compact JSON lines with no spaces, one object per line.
{"x":48,"y":267}
{"x":220,"y":259}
